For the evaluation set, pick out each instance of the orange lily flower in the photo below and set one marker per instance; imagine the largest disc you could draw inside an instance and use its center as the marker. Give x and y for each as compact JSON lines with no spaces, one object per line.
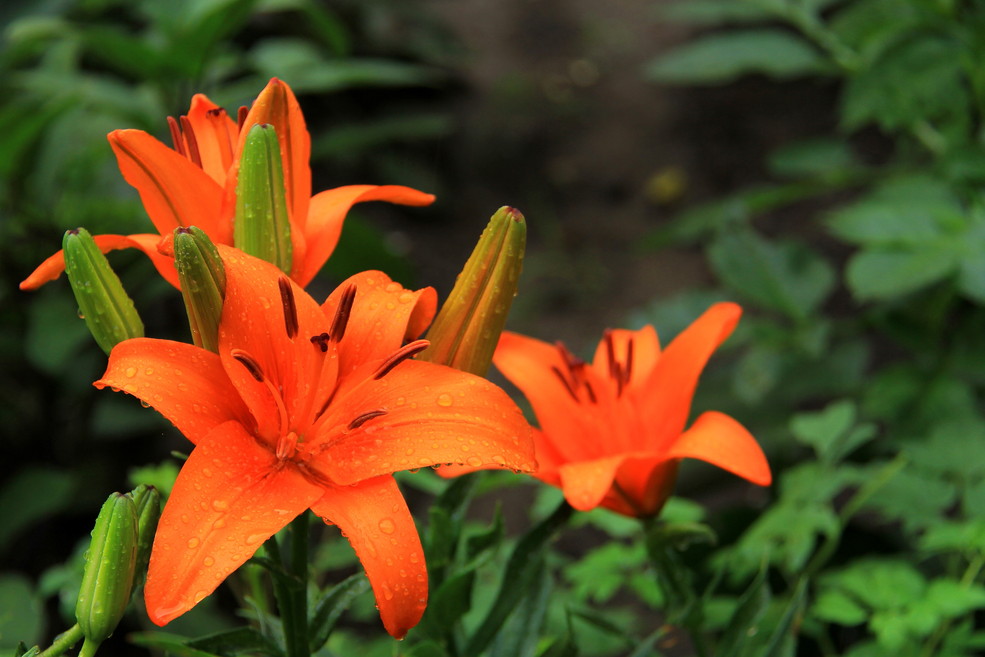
{"x":612,"y":431}
{"x":308,"y":407}
{"x":194,"y":184}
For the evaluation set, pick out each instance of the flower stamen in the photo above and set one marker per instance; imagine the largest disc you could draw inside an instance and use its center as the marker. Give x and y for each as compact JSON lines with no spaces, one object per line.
{"x":409,"y":350}
{"x":364,"y":418}
{"x":290,"y":307}
{"x":342,"y":314}
{"x":253,"y":367}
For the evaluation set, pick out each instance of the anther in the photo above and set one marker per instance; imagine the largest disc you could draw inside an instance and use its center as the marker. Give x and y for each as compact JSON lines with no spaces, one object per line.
{"x":409,"y":350}
{"x":342,"y":313}
{"x":627,"y":368}
{"x":564,"y":380}
{"x":290,"y":308}
{"x":247,"y":361}
{"x":364,"y":418}
{"x":241,"y":116}
{"x":591,"y":393}
{"x":176,"y":138}
{"x":215,"y":112}
{"x":189,"y":132}
{"x":322,"y":341}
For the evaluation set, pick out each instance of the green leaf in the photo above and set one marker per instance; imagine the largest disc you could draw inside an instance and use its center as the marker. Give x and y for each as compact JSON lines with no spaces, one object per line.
{"x":521,"y":635}
{"x":885,"y":275}
{"x":723,"y":57}
{"x":786,"y":277}
{"x":745,"y":620}
{"x":234,"y":642}
{"x":21,"y":612}
{"x":331,"y":605}
{"x":913,"y":497}
{"x":447,"y":604}
{"x":816,"y":157}
{"x":715,"y":12}
{"x":828,"y":432}
{"x":836,"y":606}
{"x":522,"y":571}
{"x":32,"y":494}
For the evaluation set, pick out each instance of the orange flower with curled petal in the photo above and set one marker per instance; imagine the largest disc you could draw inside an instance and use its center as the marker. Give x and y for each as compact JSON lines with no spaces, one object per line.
{"x":194,"y":184}
{"x":308,"y":407}
{"x":612,"y":431}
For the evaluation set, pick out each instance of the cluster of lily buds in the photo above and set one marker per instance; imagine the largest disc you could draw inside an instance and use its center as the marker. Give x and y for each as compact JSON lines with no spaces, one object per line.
{"x":463,"y":336}
{"x":116,"y":562}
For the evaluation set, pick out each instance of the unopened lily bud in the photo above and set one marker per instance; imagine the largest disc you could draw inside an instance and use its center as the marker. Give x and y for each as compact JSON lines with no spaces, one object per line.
{"x":108,"y":310}
{"x":108,"y":576}
{"x":147,"y":503}
{"x":262,"y":226}
{"x":203,"y":284}
{"x":465,"y":333}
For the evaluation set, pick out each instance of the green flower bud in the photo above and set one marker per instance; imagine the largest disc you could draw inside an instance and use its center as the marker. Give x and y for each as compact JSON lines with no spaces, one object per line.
{"x":147,"y":503}
{"x":203,"y":284}
{"x":108,"y":576}
{"x":262,"y":226}
{"x":465,"y":333}
{"x":108,"y":310}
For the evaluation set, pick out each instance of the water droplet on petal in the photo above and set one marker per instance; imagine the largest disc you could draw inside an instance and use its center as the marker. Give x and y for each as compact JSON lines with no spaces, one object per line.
{"x":387,"y":526}
{"x":444,"y":399}
{"x":208,"y":561}
{"x":474,"y":461}
{"x":131,"y":372}
{"x":220,"y":505}
{"x":193,"y":543}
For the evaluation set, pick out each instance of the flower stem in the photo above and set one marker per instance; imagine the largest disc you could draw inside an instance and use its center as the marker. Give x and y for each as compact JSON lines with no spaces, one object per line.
{"x":63,"y":642}
{"x":291,"y":588}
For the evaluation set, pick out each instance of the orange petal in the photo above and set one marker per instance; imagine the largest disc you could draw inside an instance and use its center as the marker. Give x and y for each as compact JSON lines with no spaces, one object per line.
{"x":642,"y":486}
{"x":665,"y":397}
{"x":573,"y":429}
{"x":53,"y":266}
{"x":374,"y":517}
{"x":384,"y":316}
{"x":229,"y":498}
{"x":215,"y":135}
{"x":175,"y":192}
{"x":253,"y":322}
{"x":184,"y":383}
{"x":328,"y":210}
{"x":277,"y":106}
{"x":718,"y":439}
{"x":643,"y":354}
{"x":434,"y":414}
{"x":585,"y":483}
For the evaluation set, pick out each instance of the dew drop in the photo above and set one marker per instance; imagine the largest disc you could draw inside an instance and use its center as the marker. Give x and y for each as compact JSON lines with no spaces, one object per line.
{"x":200,"y":595}
{"x":144,"y":404}
{"x":387,"y":593}
{"x":193,"y":543}
{"x":474,"y":461}
{"x":220,"y":505}
{"x":406,"y":297}
{"x":387,"y":526}
{"x":444,"y":399}
{"x":131,"y":372}
{"x":208,"y":561}
{"x":149,"y":371}
{"x":255,"y":538}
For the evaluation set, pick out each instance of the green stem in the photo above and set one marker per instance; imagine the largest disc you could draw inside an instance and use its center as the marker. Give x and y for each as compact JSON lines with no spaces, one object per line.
{"x":88,"y":649}
{"x":63,"y":642}
{"x":970,"y":575}
{"x":291,"y":587}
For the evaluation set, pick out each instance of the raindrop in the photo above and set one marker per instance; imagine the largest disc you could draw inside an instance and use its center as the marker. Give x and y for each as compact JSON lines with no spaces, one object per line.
{"x":444,"y":399}
{"x":220,"y":505}
{"x":149,"y":371}
{"x":474,"y":461}
{"x":208,"y":561}
{"x":131,"y":372}
{"x":387,"y":526}
{"x":144,"y":404}
{"x":193,"y":543}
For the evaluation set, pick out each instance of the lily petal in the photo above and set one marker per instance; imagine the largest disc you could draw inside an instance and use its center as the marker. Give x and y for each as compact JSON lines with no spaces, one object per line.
{"x":433,"y":414}
{"x":643,"y":354}
{"x":228,"y":499}
{"x":292,"y":364}
{"x":184,"y":383}
{"x":327,"y":213}
{"x":384,"y":316}
{"x":585,"y":483}
{"x":215,"y":134}
{"x":718,"y":439}
{"x":374,"y":517}
{"x":665,"y":397}
{"x":529,"y":363}
{"x":175,"y":192}
{"x":54,"y":265}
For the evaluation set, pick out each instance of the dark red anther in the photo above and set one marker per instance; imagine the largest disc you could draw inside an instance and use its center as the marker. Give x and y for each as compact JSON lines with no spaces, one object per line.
{"x":322,"y":341}
{"x":241,"y":116}
{"x":564,"y":380}
{"x":176,"y":138}
{"x":364,"y":418}
{"x":290,"y":308}
{"x":251,"y":365}
{"x":189,"y":132}
{"x":409,"y":350}
{"x":342,"y":313}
